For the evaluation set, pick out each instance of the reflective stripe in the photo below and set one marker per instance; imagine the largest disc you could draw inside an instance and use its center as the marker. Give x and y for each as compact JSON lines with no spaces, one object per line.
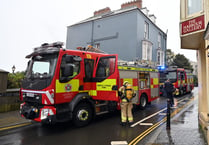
{"x":105,"y":85}
{"x":124,"y":100}
{"x":130,"y":81}
{"x":130,"y":119}
{"x":51,"y":112}
{"x":32,"y":91}
{"x":61,"y":87}
{"x":155,"y":81}
{"x":92,"y":93}
{"x":136,"y":88}
{"x":123,"y":119}
{"x":50,"y":97}
{"x":136,"y":69}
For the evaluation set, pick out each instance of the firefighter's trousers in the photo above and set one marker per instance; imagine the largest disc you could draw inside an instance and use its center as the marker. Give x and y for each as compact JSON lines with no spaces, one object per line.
{"x":126,"y":111}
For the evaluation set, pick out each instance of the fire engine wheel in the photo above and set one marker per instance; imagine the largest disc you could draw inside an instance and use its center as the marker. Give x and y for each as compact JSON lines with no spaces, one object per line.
{"x":143,"y":101}
{"x":181,"y":91}
{"x":82,"y":115}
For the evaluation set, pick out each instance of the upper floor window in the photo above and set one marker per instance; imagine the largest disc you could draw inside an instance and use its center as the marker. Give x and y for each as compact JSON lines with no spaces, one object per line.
{"x":97,"y":45}
{"x":194,"y":6}
{"x":146,"y":30}
{"x":146,"y":50}
{"x":160,"y":57}
{"x":159,"y":40}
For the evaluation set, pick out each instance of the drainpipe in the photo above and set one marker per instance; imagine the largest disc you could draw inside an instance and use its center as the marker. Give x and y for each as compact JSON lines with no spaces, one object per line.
{"x":92,"y":34}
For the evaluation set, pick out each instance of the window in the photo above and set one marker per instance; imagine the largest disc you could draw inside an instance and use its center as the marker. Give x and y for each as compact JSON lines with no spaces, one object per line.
{"x":89,"y":67}
{"x":41,"y":67}
{"x":194,"y":6}
{"x":159,"y":40}
{"x":106,"y":67}
{"x":70,"y":63}
{"x":146,"y":50}
{"x":146,"y":30}
{"x":97,"y":45}
{"x":160,"y":57}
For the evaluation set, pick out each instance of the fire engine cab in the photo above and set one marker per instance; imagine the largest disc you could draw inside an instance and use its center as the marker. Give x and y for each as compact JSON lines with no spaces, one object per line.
{"x":181,"y":78}
{"x":77,"y":85}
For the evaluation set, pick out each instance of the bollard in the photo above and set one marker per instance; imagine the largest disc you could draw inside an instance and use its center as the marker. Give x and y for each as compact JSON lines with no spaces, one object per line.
{"x":168,"y":125}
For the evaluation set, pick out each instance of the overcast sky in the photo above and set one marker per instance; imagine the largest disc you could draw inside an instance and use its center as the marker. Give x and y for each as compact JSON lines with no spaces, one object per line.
{"x":25,"y":24}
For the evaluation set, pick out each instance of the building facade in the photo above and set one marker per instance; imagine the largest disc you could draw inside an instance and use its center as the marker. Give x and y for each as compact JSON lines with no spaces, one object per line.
{"x":194,"y":66}
{"x":193,"y":23}
{"x":129,"y":32}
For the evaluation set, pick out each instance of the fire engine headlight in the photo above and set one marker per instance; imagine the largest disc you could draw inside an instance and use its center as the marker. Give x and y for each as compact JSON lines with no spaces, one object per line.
{"x":44,"y":113}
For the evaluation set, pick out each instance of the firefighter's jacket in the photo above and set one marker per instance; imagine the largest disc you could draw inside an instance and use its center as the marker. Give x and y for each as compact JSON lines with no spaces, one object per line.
{"x":126,"y":93}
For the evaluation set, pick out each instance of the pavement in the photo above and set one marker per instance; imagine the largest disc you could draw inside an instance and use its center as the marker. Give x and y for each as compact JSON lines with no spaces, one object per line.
{"x":184,"y":129}
{"x":12,"y":119}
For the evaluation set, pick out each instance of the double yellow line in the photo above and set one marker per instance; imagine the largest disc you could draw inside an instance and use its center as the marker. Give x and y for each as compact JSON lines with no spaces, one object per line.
{"x":15,"y":126}
{"x":146,"y":132}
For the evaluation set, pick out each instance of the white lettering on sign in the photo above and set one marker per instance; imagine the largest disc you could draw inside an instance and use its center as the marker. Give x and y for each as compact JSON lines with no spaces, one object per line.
{"x":193,"y":25}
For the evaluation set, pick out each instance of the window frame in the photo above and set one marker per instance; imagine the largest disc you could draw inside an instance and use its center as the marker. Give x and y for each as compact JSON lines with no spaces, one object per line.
{"x":194,"y":13}
{"x":146,"y":30}
{"x":147,"y":46}
{"x":74,"y":63}
{"x":159,"y":40}
{"x":160,"y":61}
{"x":108,"y":66}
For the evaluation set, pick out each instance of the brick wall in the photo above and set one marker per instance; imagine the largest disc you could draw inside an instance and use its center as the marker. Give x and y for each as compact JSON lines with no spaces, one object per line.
{"x":102,"y":11}
{"x":137,"y":3}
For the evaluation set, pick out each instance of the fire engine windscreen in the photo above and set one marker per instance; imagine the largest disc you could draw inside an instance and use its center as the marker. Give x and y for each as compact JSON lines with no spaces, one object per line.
{"x":171,"y":75}
{"x":42,"y":66}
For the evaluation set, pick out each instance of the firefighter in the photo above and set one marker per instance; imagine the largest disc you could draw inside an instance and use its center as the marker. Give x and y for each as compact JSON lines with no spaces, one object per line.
{"x":169,"y":89}
{"x":126,"y":93}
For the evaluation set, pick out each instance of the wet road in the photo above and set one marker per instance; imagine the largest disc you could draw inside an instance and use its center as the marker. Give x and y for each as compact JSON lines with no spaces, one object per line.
{"x":101,"y":131}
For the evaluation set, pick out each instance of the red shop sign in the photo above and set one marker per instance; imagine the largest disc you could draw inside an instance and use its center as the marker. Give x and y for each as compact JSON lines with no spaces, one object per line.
{"x":193,"y":25}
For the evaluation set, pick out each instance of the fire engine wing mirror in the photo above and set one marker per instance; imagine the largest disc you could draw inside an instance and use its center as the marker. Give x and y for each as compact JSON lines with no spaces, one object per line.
{"x":67,"y":70}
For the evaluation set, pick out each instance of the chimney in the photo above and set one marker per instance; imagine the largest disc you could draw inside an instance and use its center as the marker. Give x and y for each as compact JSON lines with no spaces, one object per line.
{"x":137,"y":3}
{"x":102,"y":11}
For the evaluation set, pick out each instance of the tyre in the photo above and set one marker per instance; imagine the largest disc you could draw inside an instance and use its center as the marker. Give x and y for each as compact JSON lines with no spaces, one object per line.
{"x":143,"y":101}
{"x":181,"y":91}
{"x":82,"y":115}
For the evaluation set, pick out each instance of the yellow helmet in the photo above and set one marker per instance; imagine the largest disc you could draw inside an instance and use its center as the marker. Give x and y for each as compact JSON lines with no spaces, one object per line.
{"x":125,"y":83}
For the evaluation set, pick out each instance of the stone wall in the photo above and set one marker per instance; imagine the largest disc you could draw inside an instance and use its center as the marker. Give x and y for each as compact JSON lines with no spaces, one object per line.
{"x":9,"y":103}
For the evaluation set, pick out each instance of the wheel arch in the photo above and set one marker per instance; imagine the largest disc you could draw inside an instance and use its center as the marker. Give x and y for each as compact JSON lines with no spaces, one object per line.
{"x":146,"y":97}
{"x":79,"y":98}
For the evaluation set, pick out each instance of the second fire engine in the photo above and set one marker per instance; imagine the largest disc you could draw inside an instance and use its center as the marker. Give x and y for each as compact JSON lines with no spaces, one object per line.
{"x":181,"y":78}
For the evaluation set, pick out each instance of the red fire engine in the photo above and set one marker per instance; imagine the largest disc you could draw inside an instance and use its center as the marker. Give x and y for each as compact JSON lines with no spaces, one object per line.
{"x":77,"y":85}
{"x":181,"y":78}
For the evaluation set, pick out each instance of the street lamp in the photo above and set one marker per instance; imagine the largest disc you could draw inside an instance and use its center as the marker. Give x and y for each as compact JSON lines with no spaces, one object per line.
{"x":13,"y":69}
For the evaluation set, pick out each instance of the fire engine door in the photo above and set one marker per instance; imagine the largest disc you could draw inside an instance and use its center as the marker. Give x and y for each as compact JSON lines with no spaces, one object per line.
{"x":181,"y":78}
{"x":106,"y":78}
